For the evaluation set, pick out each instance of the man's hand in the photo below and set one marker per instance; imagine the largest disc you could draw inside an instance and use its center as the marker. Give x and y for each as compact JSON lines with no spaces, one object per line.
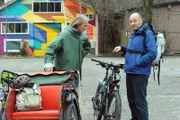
{"x":116,"y":49}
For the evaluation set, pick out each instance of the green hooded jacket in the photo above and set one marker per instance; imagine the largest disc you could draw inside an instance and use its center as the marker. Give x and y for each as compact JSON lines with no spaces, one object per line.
{"x":67,"y":50}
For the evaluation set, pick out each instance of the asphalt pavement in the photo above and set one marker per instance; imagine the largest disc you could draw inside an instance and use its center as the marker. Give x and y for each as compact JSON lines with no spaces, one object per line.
{"x":163,"y":100}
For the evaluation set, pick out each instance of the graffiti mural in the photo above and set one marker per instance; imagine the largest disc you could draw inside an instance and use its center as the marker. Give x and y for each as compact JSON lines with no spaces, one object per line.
{"x":36,"y":23}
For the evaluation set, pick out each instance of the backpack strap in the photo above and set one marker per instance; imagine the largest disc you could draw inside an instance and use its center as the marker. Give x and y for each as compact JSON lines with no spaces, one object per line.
{"x":158,"y":75}
{"x":135,"y":51}
{"x":149,"y":27}
{"x":158,"y":69}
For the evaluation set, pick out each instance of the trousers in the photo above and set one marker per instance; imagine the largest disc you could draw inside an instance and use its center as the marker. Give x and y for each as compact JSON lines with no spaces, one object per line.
{"x":136,"y":85}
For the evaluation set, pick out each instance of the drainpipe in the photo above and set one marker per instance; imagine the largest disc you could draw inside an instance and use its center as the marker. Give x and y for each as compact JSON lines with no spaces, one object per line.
{"x":80,"y":6}
{"x":6,"y":26}
{"x":64,"y":13}
{"x":96,"y":25}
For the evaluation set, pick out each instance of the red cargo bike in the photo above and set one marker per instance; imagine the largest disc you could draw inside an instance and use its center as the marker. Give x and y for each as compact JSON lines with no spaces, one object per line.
{"x":58,"y":91}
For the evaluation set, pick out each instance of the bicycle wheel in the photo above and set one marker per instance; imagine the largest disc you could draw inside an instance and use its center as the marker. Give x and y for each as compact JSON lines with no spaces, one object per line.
{"x":98,"y":103}
{"x":71,"y":112}
{"x":1,"y":109}
{"x":115,"y":108}
{"x":97,"y":107}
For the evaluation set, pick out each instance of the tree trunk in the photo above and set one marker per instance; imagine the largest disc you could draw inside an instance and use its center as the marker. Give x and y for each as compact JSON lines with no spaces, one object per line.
{"x":147,"y":10}
{"x":110,"y":19}
{"x":109,"y":32}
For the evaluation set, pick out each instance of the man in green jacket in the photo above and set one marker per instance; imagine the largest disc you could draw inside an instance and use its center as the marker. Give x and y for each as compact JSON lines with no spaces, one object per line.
{"x":69,"y":48}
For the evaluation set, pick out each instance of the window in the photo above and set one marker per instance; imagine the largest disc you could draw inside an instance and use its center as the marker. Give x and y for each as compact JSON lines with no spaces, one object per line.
{"x":51,"y":7}
{"x":18,"y":28}
{"x":44,"y":7}
{"x":57,"y":7}
{"x":36,"y":7}
{"x":12,"y":45}
{"x":14,"y":28}
{"x":11,"y":28}
{"x":90,"y":16}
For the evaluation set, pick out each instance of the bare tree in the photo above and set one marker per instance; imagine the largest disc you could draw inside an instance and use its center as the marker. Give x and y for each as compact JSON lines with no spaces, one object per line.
{"x":110,"y":17}
{"x":147,"y":10}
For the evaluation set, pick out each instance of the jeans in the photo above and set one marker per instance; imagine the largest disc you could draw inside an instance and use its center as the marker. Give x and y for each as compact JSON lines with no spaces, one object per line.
{"x":136,"y":93}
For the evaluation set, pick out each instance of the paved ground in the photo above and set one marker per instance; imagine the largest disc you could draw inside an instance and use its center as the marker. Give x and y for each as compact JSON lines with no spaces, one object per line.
{"x":163,"y":100}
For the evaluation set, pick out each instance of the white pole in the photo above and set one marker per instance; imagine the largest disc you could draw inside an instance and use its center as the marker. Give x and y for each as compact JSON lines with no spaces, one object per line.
{"x":80,"y":6}
{"x":6,"y":26}
{"x":96,"y":25}
{"x":80,"y":86}
{"x":64,"y":9}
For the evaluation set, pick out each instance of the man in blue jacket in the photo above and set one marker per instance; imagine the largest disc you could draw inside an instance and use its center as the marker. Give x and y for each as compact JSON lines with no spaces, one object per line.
{"x":138,"y":66}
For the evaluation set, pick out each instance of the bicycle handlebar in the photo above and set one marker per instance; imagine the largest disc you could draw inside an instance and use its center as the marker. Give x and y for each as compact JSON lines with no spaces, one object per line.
{"x":109,"y":65}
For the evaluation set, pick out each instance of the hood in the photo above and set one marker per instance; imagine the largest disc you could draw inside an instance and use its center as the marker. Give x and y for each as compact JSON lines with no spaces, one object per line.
{"x":72,"y":30}
{"x":140,"y":30}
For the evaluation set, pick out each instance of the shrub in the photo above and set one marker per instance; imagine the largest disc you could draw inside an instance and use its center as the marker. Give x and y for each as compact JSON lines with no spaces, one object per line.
{"x":23,"y":51}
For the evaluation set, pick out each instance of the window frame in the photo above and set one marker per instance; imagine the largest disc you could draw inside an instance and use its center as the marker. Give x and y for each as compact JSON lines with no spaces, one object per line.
{"x":87,"y":15}
{"x":13,"y":51}
{"x":14,"y":22}
{"x":40,"y":11}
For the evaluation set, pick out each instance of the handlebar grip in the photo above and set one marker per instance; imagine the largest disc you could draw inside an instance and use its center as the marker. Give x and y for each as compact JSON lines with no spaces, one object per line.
{"x":95,"y":60}
{"x":100,"y":62}
{"x":121,"y":66}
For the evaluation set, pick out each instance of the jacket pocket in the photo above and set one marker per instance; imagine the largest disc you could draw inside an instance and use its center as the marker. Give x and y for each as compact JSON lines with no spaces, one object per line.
{"x":138,"y":60}
{"x":130,"y":62}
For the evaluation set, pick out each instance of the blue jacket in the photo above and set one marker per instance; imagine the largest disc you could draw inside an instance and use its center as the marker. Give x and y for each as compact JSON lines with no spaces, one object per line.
{"x":139,"y":63}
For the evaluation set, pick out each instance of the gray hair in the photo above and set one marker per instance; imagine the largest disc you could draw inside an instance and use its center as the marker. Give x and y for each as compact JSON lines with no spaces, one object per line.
{"x":138,"y":15}
{"x":79,"y":20}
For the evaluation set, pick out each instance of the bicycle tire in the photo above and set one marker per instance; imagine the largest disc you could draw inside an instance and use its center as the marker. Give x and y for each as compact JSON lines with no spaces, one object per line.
{"x":116,"y":115}
{"x":97,"y":104}
{"x":1,"y":110}
{"x":71,"y":112}
{"x":102,"y":106}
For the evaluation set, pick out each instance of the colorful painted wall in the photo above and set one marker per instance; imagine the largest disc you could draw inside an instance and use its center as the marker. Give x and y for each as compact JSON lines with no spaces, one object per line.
{"x":42,"y":27}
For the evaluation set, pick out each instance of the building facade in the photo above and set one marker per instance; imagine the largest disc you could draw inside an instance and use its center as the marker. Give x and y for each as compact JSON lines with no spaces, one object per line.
{"x":35,"y":23}
{"x":166,"y":17}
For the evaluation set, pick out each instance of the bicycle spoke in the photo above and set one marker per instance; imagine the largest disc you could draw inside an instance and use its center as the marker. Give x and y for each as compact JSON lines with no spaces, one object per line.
{"x":112,"y":108}
{"x":72,"y":115}
{"x":71,"y":112}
